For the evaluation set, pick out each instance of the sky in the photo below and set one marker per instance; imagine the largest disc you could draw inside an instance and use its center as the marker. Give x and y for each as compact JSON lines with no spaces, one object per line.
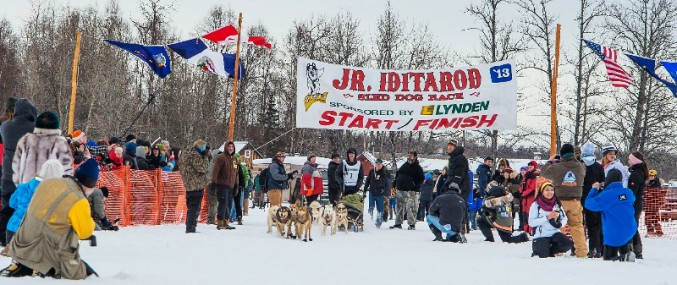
{"x":446,"y":19}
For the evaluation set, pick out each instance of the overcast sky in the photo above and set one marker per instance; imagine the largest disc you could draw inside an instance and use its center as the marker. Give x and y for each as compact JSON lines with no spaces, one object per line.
{"x":446,"y":19}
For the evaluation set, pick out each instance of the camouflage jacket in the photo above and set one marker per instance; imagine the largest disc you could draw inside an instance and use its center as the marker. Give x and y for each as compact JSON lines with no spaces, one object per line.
{"x":194,"y":169}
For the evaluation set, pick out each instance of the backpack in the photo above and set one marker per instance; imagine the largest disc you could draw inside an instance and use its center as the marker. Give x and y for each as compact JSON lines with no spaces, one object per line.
{"x":263,"y":179}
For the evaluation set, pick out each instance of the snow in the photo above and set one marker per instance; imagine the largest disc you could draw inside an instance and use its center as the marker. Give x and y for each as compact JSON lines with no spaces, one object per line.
{"x":166,"y":255}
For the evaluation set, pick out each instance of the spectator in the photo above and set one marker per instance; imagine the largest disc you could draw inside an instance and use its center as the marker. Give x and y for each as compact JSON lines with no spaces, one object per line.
{"x":528,"y":192}
{"x":335,"y":181}
{"x":594,"y":172}
{"x":377,"y":184}
{"x":130,"y":138}
{"x":23,"y":122}
{"x":157,"y":159}
{"x":141,"y":162}
{"x":426,"y":197}
{"x":129,"y":158}
{"x":225,"y":177}
{"x":446,"y":215}
{"x":115,"y":157}
{"x":457,"y":172}
{"x":99,"y":210}
{"x":50,"y":246}
{"x":567,"y":177}
{"x":79,"y":136}
{"x":498,"y":174}
{"x":609,"y":162}
{"x":655,"y":200}
{"x":35,"y":148}
{"x":408,"y":179}
{"x":351,"y":173}
{"x":238,"y":195}
{"x":248,"y":191}
{"x":496,"y":213}
{"x":484,"y":175}
{"x":277,"y":179}
{"x":512,"y":185}
{"x":618,"y":216}
{"x":639,"y":174}
{"x":546,"y":217}
{"x":195,"y":179}
{"x":212,"y":196}
{"x":311,"y":179}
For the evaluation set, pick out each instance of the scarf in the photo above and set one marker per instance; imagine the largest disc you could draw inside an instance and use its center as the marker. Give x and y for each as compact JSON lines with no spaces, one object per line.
{"x":545,"y":203}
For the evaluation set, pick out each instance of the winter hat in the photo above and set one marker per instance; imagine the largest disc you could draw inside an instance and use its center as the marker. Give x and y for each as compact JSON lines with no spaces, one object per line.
{"x":453,"y":142}
{"x":52,"y":168}
{"x":507,"y":169}
{"x":200,"y":145}
{"x":428,"y":176}
{"x":653,"y":172}
{"x":608,"y":149}
{"x":567,"y":151}
{"x":524,"y":168}
{"x":114,"y":140}
{"x":10,"y":103}
{"x":488,"y":158}
{"x":633,"y":160}
{"x":130,"y":138}
{"x":88,"y":173}
{"x":542,"y":187}
{"x":140,"y":151}
{"x":454,"y":186}
{"x":47,"y":120}
{"x":311,"y":156}
{"x":130,"y":146}
{"x":497,"y":191}
{"x":533,"y":163}
{"x":352,"y":150}
{"x":78,"y":135}
{"x":588,"y":153}
{"x":280,"y":154}
{"x":614,"y":175}
{"x":335,"y":155}
{"x":379,"y":161}
{"x":161,"y":147}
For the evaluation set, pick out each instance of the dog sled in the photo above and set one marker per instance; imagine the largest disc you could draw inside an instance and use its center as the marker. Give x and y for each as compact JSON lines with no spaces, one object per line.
{"x":355,"y":206}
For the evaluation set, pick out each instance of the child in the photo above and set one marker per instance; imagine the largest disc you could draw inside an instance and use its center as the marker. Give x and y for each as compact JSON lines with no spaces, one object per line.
{"x":618,"y":216}
{"x":393,"y":202}
{"x":547,"y":218}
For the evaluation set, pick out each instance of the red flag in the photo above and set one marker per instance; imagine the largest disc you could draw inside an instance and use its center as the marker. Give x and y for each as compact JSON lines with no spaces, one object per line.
{"x":228,"y":34}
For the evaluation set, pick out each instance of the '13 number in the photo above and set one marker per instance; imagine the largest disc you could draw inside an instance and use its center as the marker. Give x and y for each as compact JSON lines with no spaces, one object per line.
{"x":502,"y":73}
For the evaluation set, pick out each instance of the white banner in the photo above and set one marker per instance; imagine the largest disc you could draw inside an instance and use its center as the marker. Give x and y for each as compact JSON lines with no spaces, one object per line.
{"x":330,"y":96}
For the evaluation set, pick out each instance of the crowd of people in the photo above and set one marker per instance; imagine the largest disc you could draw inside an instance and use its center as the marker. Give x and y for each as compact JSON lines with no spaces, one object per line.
{"x":49,"y":194}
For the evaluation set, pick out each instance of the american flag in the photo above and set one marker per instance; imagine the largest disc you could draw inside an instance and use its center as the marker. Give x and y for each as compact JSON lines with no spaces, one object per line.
{"x":617,"y":76}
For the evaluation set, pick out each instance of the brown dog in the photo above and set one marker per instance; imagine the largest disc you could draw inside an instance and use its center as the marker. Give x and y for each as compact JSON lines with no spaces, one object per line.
{"x":303,"y":223}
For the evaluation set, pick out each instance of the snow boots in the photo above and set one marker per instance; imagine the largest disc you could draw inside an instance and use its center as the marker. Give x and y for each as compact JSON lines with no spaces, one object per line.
{"x":411,"y":227}
{"x":379,"y":219}
{"x":436,"y":232}
{"x":396,"y":227}
{"x":16,"y":270}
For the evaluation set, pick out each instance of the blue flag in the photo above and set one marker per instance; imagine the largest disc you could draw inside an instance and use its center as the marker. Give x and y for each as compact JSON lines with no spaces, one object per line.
{"x":156,"y":57}
{"x":671,"y":67}
{"x":198,"y":54}
{"x":649,"y":65}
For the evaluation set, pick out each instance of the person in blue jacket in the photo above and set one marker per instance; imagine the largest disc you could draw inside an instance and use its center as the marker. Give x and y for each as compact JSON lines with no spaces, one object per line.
{"x":618,"y":216}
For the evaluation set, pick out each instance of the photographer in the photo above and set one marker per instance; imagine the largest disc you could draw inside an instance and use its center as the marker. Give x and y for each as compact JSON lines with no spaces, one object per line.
{"x":56,"y":219}
{"x":546,"y":217}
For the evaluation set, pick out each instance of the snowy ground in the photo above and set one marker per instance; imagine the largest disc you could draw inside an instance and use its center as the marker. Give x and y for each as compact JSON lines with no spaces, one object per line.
{"x":247,"y":255}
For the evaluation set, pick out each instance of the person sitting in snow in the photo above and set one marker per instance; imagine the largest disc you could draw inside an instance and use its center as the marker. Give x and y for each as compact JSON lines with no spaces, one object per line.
{"x":446,"y":216}
{"x":618,"y":216}
{"x":546,"y":217}
{"x":98,"y":210}
{"x":496,"y":212}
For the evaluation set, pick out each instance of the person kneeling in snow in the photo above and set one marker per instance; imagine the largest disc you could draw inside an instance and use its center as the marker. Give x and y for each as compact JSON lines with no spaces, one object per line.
{"x":546,"y":217}
{"x":618,"y":216}
{"x":98,"y":210}
{"x":57,"y":218}
{"x":447,"y":212}
{"x":497,"y":212}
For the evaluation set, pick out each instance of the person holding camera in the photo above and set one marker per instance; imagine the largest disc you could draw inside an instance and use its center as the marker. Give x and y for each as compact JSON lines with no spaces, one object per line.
{"x":594,"y":172}
{"x":546,"y":217}
{"x":57,"y":218}
{"x":567,"y":176}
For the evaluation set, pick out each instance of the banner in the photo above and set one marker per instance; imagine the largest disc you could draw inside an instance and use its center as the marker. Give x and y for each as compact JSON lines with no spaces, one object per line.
{"x":330,"y":96}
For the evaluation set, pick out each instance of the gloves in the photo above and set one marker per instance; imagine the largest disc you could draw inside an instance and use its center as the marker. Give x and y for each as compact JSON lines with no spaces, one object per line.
{"x":517,"y":195}
{"x":290,"y":176}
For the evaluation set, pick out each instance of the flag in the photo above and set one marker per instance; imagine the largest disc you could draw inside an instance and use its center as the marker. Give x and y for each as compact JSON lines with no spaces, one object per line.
{"x":671,"y":67}
{"x":616,"y":74}
{"x":156,"y":57}
{"x":197,"y":53}
{"x":649,"y":65}
{"x":228,"y":34}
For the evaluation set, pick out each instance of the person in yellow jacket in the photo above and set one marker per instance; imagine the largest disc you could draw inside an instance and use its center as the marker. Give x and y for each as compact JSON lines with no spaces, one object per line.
{"x":58,"y":217}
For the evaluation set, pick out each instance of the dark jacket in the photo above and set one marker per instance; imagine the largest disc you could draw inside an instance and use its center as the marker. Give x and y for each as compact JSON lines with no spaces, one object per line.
{"x":483,"y":178}
{"x":637,"y":183}
{"x":335,"y":181}
{"x":450,"y":208}
{"x":22,"y":123}
{"x":427,"y":190}
{"x":567,"y":177}
{"x":593,"y":173}
{"x":277,"y":176}
{"x":129,"y":158}
{"x":457,"y":171}
{"x":409,"y":177}
{"x":378,"y":182}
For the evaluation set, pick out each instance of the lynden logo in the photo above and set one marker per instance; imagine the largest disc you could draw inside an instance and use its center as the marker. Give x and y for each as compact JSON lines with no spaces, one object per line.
{"x":313,"y":75}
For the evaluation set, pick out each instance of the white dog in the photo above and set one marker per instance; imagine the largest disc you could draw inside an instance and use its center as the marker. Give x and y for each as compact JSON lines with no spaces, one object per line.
{"x":315,"y":211}
{"x":328,"y":219}
{"x":341,"y":217}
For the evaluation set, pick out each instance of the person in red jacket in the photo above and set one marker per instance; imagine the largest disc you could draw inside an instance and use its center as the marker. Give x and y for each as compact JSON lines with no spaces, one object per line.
{"x":311,"y":180}
{"x":528,"y":192}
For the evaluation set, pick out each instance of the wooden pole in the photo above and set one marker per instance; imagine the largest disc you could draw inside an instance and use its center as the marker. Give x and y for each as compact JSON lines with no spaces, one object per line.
{"x":74,"y":82}
{"x":233,"y":101}
{"x":553,"y":98}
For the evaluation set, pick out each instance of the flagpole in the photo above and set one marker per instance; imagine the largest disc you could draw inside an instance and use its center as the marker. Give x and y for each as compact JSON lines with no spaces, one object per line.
{"x":233,"y":101}
{"x":553,"y":98}
{"x":74,"y":82}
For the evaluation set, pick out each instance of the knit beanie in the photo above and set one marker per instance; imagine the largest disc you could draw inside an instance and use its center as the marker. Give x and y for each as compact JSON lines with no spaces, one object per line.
{"x":52,"y":168}
{"x":47,"y":120}
{"x":88,"y":173}
{"x":78,"y":135}
{"x":130,"y":146}
{"x":130,"y":137}
{"x":614,"y":175}
{"x":311,"y":156}
{"x":567,"y":151}
{"x":335,"y":155}
{"x":141,"y":151}
{"x":114,"y":140}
